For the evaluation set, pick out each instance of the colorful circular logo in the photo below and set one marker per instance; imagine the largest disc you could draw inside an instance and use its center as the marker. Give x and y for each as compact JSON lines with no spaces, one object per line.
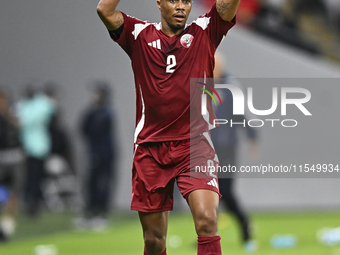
{"x":186,"y":40}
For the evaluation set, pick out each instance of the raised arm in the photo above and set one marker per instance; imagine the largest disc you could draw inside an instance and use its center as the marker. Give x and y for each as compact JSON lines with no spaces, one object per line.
{"x":227,"y":8}
{"x":107,"y":12}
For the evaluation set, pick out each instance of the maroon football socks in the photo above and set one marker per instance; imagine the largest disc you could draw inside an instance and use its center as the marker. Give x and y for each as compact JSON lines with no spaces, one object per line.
{"x":209,"y":245}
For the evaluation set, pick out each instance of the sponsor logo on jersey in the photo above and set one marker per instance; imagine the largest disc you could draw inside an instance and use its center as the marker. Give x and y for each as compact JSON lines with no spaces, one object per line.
{"x":156,"y":44}
{"x":186,"y":40}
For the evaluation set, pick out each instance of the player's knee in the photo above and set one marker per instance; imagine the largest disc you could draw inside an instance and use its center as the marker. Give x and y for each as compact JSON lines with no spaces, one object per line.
{"x":154,"y":245}
{"x":206,"y":223}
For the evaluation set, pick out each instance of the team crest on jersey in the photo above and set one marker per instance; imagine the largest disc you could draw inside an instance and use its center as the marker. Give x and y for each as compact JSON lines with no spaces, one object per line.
{"x":186,"y":40}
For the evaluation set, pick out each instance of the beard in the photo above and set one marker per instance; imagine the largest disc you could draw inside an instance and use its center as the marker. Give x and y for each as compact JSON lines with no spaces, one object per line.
{"x":176,"y":27}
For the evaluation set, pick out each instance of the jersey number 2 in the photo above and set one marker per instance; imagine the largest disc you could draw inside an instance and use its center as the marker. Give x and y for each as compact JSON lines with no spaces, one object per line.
{"x":171,"y":63}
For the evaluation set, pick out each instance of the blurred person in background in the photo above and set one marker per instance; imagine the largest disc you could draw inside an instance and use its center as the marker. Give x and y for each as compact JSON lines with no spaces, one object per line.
{"x":226,"y":143}
{"x":60,"y":140}
{"x":12,"y":170}
{"x":97,"y":127}
{"x":35,"y":111}
{"x":61,"y":186}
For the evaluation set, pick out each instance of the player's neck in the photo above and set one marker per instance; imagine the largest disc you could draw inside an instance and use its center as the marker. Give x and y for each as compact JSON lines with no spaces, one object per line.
{"x":166,"y":29}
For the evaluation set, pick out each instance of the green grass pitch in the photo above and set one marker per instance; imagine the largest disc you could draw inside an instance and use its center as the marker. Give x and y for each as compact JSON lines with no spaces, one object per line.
{"x":124,"y":237}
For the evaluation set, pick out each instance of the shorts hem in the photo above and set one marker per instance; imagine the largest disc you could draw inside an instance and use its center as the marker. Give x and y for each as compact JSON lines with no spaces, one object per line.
{"x":140,"y":209}
{"x":186,"y":195}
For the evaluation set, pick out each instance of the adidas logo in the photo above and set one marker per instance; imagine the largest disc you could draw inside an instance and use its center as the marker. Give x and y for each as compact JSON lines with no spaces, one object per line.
{"x":156,"y":44}
{"x":213,"y":182}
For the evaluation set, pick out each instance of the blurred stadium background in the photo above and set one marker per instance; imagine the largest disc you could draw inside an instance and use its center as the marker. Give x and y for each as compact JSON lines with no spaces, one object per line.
{"x":65,"y":42}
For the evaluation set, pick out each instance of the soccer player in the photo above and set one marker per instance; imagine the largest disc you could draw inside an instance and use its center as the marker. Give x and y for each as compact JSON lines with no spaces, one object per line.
{"x":171,"y":133}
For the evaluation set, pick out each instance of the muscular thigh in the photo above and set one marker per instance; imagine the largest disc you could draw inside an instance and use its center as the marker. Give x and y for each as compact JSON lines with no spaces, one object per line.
{"x":155,"y":223}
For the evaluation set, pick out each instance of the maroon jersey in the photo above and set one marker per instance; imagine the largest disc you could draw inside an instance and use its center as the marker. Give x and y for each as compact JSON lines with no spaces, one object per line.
{"x":168,"y":107}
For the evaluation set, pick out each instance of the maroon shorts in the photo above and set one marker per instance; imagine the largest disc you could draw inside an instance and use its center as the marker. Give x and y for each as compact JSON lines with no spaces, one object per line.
{"x":157,"y":165}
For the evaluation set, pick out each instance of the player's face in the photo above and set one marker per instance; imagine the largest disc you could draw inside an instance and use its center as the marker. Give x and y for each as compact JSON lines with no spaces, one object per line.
{"x":174,"y":13}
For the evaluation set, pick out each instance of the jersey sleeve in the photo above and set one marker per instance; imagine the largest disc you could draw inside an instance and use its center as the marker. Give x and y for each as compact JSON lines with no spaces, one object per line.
{"x":217,"y":28}
{"x":129,"y":33}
